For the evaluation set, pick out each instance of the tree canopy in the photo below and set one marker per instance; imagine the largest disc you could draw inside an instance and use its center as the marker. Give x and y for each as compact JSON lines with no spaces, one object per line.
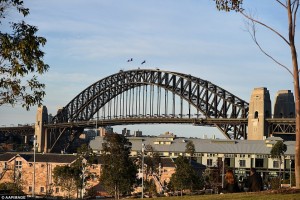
{"x":185,"y":177}
{"x":119,"y":172}
{"x":190,"y":148}
{"x":21,"y":59}
{"x":278,"y":149}
{"x":66,"y":177}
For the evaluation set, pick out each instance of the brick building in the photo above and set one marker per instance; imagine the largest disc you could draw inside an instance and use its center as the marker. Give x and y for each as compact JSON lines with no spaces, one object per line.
{"x":20,"y":166}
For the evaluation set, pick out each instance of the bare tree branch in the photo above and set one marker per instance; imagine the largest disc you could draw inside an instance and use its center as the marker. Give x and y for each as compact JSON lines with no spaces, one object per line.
{"x":295,"y":2}
{"x":266,"y":26}
{"x":281,"y":3}
{"x":295,"y":16}
{"x":252,"y":32}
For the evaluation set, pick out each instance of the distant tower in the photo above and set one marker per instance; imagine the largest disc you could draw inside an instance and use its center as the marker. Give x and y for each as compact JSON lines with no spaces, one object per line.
{"x":284,"y":106}
{"x":41,"y":118}
{"x":259,"y":110}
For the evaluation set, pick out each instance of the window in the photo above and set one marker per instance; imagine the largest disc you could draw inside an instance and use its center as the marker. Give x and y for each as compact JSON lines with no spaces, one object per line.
{"x":5,"y":165}
{"x":18,"y":164}
{"x":30,"y":189}
{"x":56,"y":190}
{"x":209,"y":162}
{"x":275,"y":164}
{"x":227,"y":162}
{"x":18,"y":175}
{"x":255,"y":115}
{"x":242,"y":163}
{"x":259,"y":162}
{"x":42,"y":189}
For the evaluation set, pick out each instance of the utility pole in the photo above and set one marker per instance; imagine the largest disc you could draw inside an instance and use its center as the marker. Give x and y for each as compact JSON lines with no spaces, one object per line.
{"x":223,"y":167}
{"x":143,"y":145}
{"x":34,"y":149}
{"x":97,"y":123}
{"x":83,"y":177}
{"x":290,"y":172}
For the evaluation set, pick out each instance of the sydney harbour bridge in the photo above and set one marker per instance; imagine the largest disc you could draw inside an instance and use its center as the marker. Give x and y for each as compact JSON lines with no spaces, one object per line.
{"x":147,"y":96}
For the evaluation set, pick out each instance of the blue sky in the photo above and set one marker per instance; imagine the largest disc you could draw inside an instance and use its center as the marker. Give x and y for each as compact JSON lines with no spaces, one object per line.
{"x":89,"y":40}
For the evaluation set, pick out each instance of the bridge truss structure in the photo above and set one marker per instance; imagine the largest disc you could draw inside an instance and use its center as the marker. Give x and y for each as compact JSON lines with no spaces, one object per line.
{"x":150,"y":96}
{"x":145,"y":96}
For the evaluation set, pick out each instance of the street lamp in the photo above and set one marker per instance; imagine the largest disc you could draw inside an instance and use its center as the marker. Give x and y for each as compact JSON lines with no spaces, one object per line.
{"x":223,"y":167}
{"x":290,"y":172}
{"x":83,"y":164}
{"x":34,"y":146}
{"x":143,"y":145}
{"x":97,"y":123}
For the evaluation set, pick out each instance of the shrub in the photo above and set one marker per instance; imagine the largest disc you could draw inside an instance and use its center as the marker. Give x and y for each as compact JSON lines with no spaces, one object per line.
{"x":275,"y":183}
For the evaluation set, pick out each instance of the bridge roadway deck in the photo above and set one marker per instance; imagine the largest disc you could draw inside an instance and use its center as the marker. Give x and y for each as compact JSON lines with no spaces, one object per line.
{"x":281,"y":121}
{"x":151,"y":120}
{"x":120,"y":121}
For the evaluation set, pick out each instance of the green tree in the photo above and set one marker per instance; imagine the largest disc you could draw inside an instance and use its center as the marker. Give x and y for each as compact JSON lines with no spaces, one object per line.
{"x":20,"y":56}
{"x":278,"y":151}
{"x":85,"y":158}
{"x":118,"y":172}
{"x":150,"y":187}
{"x":16,"y":183}
{"x":291,"y":9}
{"x":151,"y":161}
{"x":66,"y":177}
{"x":13,"y":188}
{"x":185,"y":177}
{"x":190,"y":149}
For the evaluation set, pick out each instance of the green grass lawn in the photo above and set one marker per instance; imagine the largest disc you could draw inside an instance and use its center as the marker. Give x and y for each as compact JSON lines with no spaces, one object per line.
{"x":254,"y":196}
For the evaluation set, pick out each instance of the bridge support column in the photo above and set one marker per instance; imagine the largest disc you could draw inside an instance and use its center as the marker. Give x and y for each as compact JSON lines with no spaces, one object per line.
{"x":40,"y":132}
{"x":259,"y":110}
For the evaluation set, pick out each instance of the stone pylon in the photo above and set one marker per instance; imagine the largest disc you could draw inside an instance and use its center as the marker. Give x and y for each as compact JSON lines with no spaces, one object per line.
{"x":284,"y":106}
{"x":259,"y":110}
{"x":41,"y":119}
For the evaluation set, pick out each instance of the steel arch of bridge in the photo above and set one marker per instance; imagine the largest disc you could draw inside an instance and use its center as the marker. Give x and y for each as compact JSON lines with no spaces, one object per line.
{"x":209,"y":99}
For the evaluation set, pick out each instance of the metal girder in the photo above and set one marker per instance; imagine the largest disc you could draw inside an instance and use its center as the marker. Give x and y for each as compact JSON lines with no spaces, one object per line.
{"x":18,"y":130}
{"x":283,"y":128}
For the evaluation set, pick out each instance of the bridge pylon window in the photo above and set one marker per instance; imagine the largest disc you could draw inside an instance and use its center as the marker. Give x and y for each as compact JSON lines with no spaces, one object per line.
{"x":255,"y":115}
